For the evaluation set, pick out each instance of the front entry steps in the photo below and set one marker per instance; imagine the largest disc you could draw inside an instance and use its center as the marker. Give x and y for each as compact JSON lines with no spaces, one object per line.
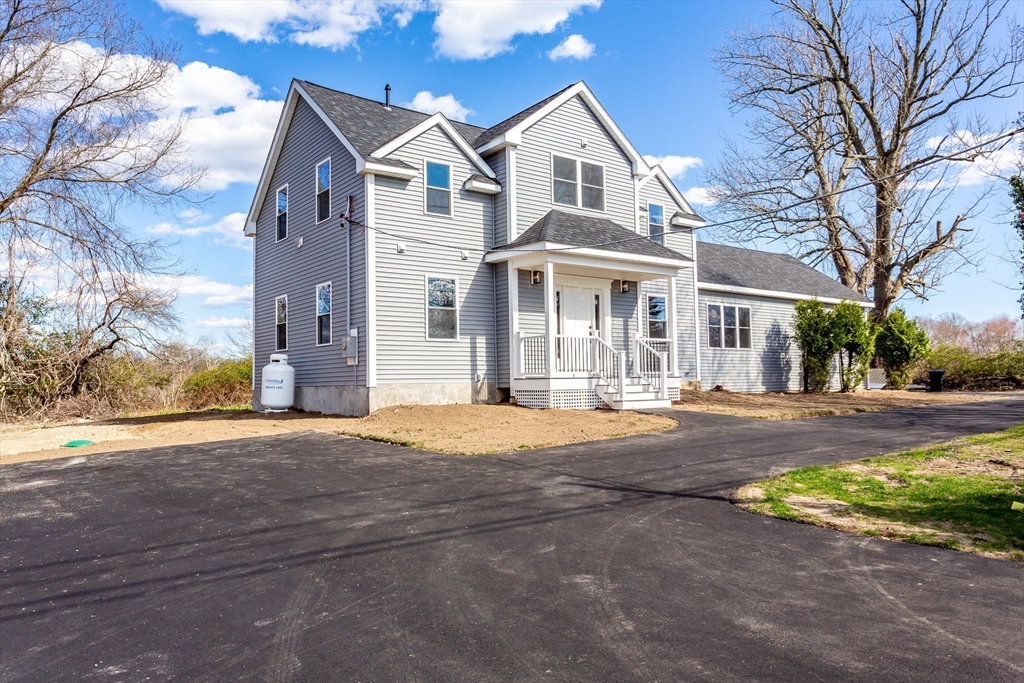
{"x":639,"y":396}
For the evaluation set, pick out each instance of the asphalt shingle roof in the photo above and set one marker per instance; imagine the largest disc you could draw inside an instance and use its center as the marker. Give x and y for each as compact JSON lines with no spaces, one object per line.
{"x":369,"y":124}
{"x":719,"y":264}
{"x":501,"y":128}
{"x":589,"y":231}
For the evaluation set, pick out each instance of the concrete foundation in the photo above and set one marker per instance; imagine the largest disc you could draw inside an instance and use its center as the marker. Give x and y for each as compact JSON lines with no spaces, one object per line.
{"x":359,"y":401}
{"x":337,"y":400}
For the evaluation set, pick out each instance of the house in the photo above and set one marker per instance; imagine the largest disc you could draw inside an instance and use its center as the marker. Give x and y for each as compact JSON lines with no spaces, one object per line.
{"x":402,"y":258}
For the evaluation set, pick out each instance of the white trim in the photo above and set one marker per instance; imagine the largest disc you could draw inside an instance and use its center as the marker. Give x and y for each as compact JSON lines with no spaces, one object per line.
{"x":721,"y":326}
{"x":316,"y":313}
{"x":647,"y":316}
{"x":672,"y":325}
{"x":513,"y":325}
{"x":477,"y":185}
{"x":287,"y":315}
{"x":295,"y":91}
{"x":252,"y":317}
{"x":772,"y":294}
{"x":377,"y":168}
{"x":511,"y":216}
{"x":579,"y":183}
{"x":437,"y":119}
{"x":277,"y":213}
{"x":601,"y":285}
{"x":316,"y":191}
{"x":536,"y":253}
{"x":514,"y":135}
{"x":426,"y":307}
{"x":662,"y":224}
{"x":696,"y":312}
{"x":370,"y":244}
{"x":680,"y":222}
{"x":427,"y":186}
{"x":658,"y":172}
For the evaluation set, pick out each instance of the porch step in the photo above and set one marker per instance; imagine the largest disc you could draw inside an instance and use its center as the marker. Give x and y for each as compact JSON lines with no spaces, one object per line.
{"x":639,"y":403}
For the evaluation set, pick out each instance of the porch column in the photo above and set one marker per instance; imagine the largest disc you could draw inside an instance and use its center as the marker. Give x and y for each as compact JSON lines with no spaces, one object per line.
{"x":673,"y":330}
{"x":550,"y":322}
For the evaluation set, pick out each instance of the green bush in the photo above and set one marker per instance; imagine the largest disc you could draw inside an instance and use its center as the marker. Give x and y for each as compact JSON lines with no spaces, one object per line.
{"x":818,"y":343}
{"x":856,"y":339}
{"x":967,"y":371}
{"x":900,"y":343}
{"x":225,"y":384}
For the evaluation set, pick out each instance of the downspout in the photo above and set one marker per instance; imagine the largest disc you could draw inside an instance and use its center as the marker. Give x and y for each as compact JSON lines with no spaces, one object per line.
{"x":348,"y":277}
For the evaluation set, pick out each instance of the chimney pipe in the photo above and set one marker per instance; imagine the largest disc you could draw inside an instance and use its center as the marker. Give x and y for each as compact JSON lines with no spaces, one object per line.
{"x":387,"y":96}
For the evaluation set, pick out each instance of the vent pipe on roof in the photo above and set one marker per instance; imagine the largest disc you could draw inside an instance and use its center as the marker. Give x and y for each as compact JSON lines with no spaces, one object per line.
{"x":387,"y":96}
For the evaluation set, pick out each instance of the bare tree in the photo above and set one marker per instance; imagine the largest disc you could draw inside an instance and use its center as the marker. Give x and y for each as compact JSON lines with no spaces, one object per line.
{"x":83,"y":135}
{"x":861,"y":113}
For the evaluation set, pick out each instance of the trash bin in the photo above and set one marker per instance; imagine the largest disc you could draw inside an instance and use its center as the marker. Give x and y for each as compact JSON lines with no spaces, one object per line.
{"x":935,"y":380}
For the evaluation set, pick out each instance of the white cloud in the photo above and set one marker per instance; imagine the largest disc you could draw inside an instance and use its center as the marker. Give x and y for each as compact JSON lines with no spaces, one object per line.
{"x":215,"y":294}
{"x":675,"y":166}
{"x":480,"y":30}
{"x":332,"y":24}
{"x":226,"y":230}
{"x":220,"y":323}
{"x":699,"y":195}
{"x":983,"y":169}
{"x":426,"y":102}
{"x":573,"y":47}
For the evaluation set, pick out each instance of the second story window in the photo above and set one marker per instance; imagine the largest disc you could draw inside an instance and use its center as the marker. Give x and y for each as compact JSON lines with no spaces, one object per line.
{"x":323,"y":190}
{"x":577,"y":183}
{"x":282,"y":213}
{"x":439,"y":189}
{"x":656,"y":223}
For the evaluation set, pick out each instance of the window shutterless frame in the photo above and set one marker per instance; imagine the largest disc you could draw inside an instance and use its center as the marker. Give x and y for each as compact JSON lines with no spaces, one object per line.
{"x":323,"y":314}
{"x":657,"y":317}
{"x":436,"y":189}
{"x":729,"y":326}
{"x":282,"y":212}
{"x":656,"y":223}
{"x":322,"y":188}
{"x":441,"y":295}
{"x":281,"y":323}
{"x":578,"y":180}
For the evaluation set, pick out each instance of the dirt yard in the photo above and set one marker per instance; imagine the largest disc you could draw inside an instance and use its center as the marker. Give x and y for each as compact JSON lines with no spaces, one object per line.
{"x":457,"y":429}
{"x":792,"y":406}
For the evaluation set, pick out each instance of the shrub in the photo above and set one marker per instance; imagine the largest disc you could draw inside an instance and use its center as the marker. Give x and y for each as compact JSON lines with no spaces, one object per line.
{"x":227,"y":383}
{"x":967,"y":371}
{"x":856,"y":339}
{"x":900,"y":343}
{"x":817,"y":341}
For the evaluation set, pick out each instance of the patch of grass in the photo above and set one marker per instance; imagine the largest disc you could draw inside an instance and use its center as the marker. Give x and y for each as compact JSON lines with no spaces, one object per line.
{"x":954,"y":495}
{"x":388,"y":439}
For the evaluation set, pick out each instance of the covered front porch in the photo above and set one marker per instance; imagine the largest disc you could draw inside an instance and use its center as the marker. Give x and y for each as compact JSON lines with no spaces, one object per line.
{"x":583,"y":334}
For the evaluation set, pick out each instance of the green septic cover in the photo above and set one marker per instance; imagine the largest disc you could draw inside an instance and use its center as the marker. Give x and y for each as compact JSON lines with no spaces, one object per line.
{"x":77,"y":442}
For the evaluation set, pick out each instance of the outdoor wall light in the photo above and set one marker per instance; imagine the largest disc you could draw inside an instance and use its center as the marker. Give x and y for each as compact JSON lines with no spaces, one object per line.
{"x":624,"y":286}
{"x":536,"y":277}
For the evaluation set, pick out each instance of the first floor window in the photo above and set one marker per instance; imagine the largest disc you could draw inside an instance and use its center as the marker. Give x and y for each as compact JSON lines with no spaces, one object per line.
{"x":281,"y":313}
{"x":657,"y":319}
{"x":323,"y":314}
{"x":442,"y":309}
{"x":282,"y":213}
{"x":323,"y":190}
{"x":656,"y":223}
{"x":728,"y":327}
{"x":439,"y":189}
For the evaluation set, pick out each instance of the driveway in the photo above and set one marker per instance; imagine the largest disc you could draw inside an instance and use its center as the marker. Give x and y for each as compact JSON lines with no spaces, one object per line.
{"x":310,"y":557}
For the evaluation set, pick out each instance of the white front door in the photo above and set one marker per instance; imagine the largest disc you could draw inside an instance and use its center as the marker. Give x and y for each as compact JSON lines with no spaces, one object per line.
{"x":577,"y":311}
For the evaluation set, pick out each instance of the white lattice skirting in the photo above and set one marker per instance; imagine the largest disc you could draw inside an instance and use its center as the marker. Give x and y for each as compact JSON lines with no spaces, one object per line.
{"x":564,"y":399}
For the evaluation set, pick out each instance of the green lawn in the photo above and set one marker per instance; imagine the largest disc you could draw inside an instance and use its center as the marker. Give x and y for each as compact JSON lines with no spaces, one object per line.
{"x":956,"y":495}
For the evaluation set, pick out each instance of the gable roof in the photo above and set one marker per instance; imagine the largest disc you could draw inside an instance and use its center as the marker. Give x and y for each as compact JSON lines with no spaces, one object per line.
{"x":514,"y":120}
{"x":718,"y":264}
{"x":574,"y":230}
{"x":685,"y":211}
{"x":368,"y":124}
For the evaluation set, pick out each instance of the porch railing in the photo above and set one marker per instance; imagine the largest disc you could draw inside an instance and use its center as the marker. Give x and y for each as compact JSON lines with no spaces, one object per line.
{"x":609,"y":365}
{"x":532,"y":351}
{"x":652,"y":366}
{"x":572,"y":354}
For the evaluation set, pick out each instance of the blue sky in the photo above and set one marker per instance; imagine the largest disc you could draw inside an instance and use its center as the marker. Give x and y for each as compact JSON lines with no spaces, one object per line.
{"x":648,"y":62}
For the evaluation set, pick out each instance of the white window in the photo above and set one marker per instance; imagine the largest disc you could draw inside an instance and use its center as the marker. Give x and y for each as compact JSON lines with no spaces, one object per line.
{"x":728,"y":327}
{"x":323,"y":190}
{"x":577,"y":183}
{"x":281,"y":318}
{"x":657,"y":318}
{"x":439,"y":189}
{"x":282,"y":213}
{"x":656,"y":223}
{"x":442,"y":308}
{"x":323,"y":314}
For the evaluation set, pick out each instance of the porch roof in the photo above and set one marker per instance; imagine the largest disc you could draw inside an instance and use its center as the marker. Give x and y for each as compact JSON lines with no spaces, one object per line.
{"x":588,"y":232}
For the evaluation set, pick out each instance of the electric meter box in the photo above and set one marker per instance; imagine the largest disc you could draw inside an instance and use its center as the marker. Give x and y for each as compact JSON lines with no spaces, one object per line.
{"x":350,"y":345}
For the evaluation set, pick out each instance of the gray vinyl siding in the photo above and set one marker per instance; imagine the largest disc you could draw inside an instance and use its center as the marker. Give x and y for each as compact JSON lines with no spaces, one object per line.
{"x":686,"y":360}
{"x":283,"y":268}
{"x":560,"y":132}
{"x":531,"y":306}
{"x":675,"y":239}
{"x":773,"y":362}
{"x":501,"y":322}
{"x":624,"y":319}
{"x":404,"y":354}
{"x":497,"y":162}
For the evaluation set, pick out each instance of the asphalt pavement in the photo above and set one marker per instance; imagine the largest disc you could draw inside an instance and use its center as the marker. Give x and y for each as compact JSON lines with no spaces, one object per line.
{"x":310,"y":557}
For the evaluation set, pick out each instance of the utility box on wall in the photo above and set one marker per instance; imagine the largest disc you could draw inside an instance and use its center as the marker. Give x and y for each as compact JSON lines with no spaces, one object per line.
{"x":350,"y":346}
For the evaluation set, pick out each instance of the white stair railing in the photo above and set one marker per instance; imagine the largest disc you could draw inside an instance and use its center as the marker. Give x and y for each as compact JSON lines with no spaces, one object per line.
{"x":652,"y":365}
{"x":532,"y":350}
{"x":609,"y":365}
{"x":573,"y":354}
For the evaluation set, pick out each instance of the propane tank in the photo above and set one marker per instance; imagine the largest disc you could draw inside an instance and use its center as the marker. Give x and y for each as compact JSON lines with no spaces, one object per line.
{"x":278,"y":383}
